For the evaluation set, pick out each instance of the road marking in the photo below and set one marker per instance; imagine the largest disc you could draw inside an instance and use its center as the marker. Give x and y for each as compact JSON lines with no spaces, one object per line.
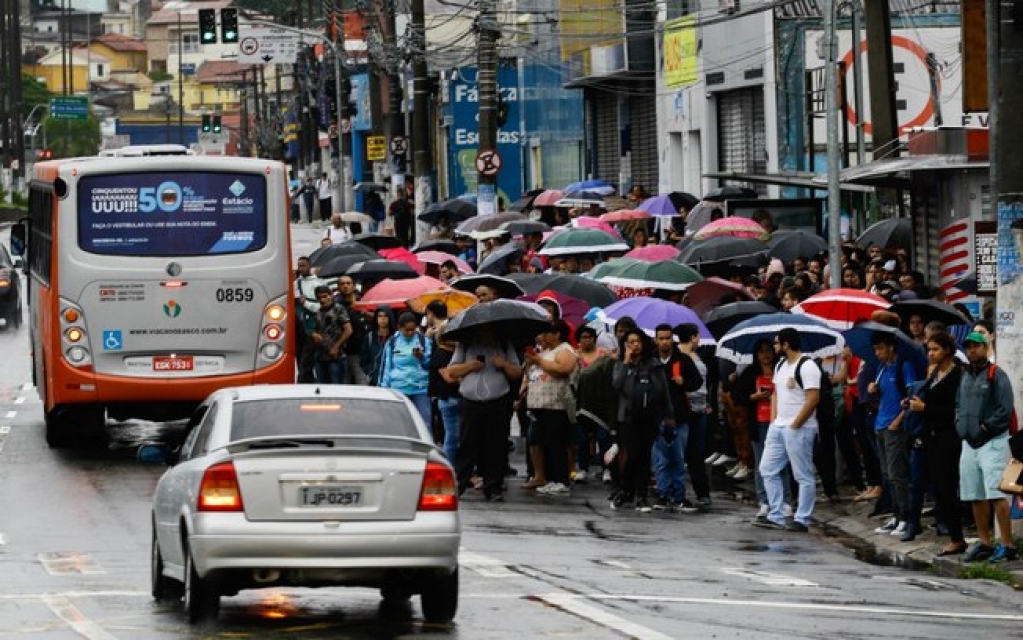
{"x":770,"y":579}
{"x":72,"y":615}
{"x":26,"y":386}
{"x":615,"y":563}
{"x":574,"y":604}
{"x":19,"y":400}
{"x":64,"y":563}
{"x":5,"y":429}
{"x":484,"y":565}
{"x":3,"y":543}
{"x":11,"y":414}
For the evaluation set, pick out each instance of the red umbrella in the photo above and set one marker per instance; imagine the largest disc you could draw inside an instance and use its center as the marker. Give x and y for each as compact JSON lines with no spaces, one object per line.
{"x":395,"y":293}
{"x":653,"y":253}
{"x":439,"y":258}
{"x":624,"y":215}
{"x":573,"y":310}
{"x":548,"y":198}
{"x":840,"y":308}
{"x":401,"y":254}
{"x":704,"y":296}
{"x":736,"y":226}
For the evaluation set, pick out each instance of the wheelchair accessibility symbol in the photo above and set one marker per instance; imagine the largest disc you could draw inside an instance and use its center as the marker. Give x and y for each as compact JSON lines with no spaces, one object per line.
{"x":112,"y":340}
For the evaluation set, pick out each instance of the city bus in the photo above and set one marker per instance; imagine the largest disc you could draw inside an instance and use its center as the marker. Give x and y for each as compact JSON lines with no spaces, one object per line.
{"x":153,"y":280}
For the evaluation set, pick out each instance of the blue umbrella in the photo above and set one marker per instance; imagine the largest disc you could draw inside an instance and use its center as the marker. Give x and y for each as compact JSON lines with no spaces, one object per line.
{"x":600,"y":186}
{"x":650,"y":312}
{"x":818,"y":340}
{"x":906,"y":348}
{"x":659,"y":206}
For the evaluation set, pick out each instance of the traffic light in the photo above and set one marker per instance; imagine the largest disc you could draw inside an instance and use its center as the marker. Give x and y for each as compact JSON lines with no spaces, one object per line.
{"x":208,"y":26}
{"x":228,"y":25}
{"x":44,"y":154}
{"x":206,"y":126}
{"x":216,"y":124}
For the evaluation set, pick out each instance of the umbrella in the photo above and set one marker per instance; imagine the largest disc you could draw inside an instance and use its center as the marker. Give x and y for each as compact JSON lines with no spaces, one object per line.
{"x":719,"y":249}
{"x":891,"y":233}
{"x":439,"y":258}
{"x":582,"y":240}
{"x":659,"y":206}
{"x":573,"y":310}
{"x":730,"y":192}
{"x":581,"y":199}
{"x":523,"y":227}
{"x":840,"y":308}
{"x":442,"y":246}
{"x":395,"y":293}
{"x":548,"y":198}
{"x":496,"y":262}
{"x":505,"y":287}
{"x":705,"y":295}
{"x":616,"y":203}
{"x":789,"y":244}
{"x":610,"y":268}
{"x":651,"y":312}
{"x":733,"y":226}
{"x":817,"y":339}
{"x":456,"y":301}
{"x":370,"y":186}
{"x":653,"y":253}
{"x":488,"y":223}
{"x":592,"y":293}
{"x":722,"y":319}
{"x":355,"y":216}
{"x":601,"y":187}
{"x":683,"y":200}
{"x":668,"y":275}
{"x":703,"y":213}
{"x":524,"y":203}
{"x":624,"y":215}
{"x":401,"y":254}
{"x":929,"y":310}
{"x":906,"y":348}
{"x":380,"y":269}
{"x":512,"y":320}
{"x":339,"y":266}
{"x":456,"y":210}
{"x":323,"y":255}
{"x":378,"y":240}
{"x":590,"y":222}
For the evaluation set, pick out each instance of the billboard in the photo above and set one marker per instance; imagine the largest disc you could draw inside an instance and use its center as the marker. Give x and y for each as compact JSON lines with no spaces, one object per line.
{"x":679,"y":52}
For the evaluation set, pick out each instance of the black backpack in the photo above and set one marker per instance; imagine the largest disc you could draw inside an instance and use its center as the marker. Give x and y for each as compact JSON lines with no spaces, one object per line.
{"x":825,"y":410}
{"x":646,"y":395}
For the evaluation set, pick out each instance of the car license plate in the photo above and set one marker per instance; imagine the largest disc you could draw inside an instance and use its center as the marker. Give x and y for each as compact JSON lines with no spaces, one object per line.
{"x":173,"y":363}
{"x":326,"y":495}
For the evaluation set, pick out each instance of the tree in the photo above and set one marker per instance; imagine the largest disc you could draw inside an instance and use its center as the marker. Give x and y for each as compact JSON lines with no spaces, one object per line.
{"x":71,"y":138}
{"x":33,"y":92}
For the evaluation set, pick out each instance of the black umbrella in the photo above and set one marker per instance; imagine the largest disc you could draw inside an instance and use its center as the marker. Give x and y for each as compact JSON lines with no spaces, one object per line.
{"x":723,"y":249}
{"x":683,"y":200}
{"x":340,"y":265}
{"x":323,"y":255}
{"x":444,"y":246}
{"x":721,"y":319}
{"x":891,"y":233}
{"x":497,"y":262}
{"x":366,"y":187}
{"x":524,"y":203}
{"x":929,"y":310}
{"x":589,"y":291}
{"x":730,"y":192}
{"x":505,"y":288}
{"x":380,"y":269}
{"x":378,"y":240}
{"x":514,"y":321}
{"x":455,"y":209}
{"x":522,"y":227}
{"x":488,"y":223}
{"x":789,"y":244}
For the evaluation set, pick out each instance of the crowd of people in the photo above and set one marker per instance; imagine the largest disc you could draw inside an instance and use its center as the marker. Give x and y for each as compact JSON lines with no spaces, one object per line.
{"x":651,"y":413}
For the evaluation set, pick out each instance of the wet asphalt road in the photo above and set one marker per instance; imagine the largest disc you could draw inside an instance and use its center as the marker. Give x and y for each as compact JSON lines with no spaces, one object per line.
{"x":74,"y":544}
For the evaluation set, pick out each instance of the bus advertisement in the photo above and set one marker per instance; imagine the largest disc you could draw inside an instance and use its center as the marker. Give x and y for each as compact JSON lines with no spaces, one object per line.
{"x":154,"y":281}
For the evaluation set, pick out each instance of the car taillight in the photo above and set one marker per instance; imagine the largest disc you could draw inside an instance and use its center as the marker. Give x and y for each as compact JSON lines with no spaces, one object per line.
{"x":439,"y":492}
{"x":219,"y":490}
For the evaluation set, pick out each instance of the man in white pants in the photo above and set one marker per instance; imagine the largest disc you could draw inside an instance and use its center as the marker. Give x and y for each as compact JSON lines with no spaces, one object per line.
{"x":791,"y":436}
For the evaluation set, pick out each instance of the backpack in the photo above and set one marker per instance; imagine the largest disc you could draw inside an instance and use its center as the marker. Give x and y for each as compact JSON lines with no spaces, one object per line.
{"x":825,"y":410}
{"x":645,"y":401}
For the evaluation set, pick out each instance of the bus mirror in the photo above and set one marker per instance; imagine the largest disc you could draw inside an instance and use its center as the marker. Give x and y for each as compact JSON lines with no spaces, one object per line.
{"x":60,"y":188}
{"x":18,"y":239}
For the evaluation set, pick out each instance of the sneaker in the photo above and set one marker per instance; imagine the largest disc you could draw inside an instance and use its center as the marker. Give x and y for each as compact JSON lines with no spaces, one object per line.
{"x":795,"y":526}
{"x":1003,"y":554}
{"x":722,"y":460}
{"x":580,"y":477}
{"x":643,"y":506}
{"x":611,"y":454}
{"x":786,"y":510}
{"x":979,"y":553}
{"x":899,"y":530}
{"x":703,"y":504}
{"x":731,"y":470}
{"x":553,"y":489}
{"x":712,"y":458}
{"x":606,"y":477}
{"x":662,"y":504}
{"x":764,"y":510}
{"x":888,"y":526}
{"x":620,"y":500}
{"x":741,"y":473}
{"x":766,"y":523}
{"x":687,"y":507}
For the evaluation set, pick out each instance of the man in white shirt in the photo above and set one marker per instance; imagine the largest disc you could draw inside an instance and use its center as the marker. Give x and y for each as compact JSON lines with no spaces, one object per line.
{"x":338,"y":231}
{"x":791,"y":436}
{"x":324,"y":192}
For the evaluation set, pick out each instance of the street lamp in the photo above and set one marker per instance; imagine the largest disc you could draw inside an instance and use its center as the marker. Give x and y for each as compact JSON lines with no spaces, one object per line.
{"x":342,"y":170}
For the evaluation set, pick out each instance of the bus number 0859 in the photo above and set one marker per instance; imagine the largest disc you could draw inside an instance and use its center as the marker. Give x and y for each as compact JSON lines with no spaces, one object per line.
{"x":237,"y":294}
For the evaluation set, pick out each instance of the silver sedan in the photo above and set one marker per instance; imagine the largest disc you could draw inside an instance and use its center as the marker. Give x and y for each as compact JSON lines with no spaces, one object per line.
{"x":305,"y":485}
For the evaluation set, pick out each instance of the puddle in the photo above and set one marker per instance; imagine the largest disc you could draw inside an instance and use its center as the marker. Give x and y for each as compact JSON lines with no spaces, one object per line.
{"x":871,"y":554}
{"x":773,"y":547}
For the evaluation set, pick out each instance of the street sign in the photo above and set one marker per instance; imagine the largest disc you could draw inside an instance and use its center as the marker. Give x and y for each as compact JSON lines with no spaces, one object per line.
{"x":188,"y":68}
{"x":488,"y":162}
{"x":376,"y":148}
{"x":267,"y":45}
{"x":69,"y":108}
{"x":399,"y":145}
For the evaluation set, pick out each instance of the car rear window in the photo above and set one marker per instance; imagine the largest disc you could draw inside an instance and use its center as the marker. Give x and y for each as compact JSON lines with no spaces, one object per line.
{"x":321,"y":416}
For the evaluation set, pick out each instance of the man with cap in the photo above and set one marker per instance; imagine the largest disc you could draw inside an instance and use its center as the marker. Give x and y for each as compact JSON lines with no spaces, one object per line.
{"x":984,"y":412}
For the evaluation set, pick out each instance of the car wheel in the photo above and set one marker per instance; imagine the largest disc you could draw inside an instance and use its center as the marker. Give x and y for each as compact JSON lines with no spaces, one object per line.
{"x":202,"y":602}
{"x":163,"y":588}
{"x":439,"y":598}
{"x":396,"y":591}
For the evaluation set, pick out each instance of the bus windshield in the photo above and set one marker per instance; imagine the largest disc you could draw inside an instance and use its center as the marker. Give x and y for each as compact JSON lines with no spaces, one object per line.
{"x":173,"y":214}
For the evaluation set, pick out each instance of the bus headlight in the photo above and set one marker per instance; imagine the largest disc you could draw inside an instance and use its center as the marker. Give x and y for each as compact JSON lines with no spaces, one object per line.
{"x":77,"y":355}
{"x":272,"y":351}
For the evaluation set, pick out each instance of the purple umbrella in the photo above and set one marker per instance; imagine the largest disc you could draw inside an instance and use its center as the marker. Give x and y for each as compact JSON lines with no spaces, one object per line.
{"x":659,"y":206}
{"x":650,"y":312}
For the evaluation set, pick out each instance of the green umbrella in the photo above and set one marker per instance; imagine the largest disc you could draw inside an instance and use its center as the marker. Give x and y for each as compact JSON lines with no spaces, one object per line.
{"x":582,"y":240}
{"x":610,"y":268}
{"x":669,"y":275}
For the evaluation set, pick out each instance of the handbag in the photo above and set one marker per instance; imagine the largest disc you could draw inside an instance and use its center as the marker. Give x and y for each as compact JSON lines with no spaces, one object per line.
{"x":1012,"y":478}
{"x":1016,"y":445}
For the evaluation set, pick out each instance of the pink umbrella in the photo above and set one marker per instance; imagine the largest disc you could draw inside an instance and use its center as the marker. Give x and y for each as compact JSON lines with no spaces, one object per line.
{"x":439,"y":258}
{"x":395,"y":293}
{"x":624,"y":215}
{"x":590,"y":222}
{"x":548,"y":198}
{"x":573,"y":310}
{"x":705,"y":295}
{"x":653,"y":253}
{"x":403,"y":255}
{"x":735,"y":226}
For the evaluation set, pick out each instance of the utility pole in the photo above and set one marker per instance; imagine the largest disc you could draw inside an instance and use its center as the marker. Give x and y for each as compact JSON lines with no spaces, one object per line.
{"x":486,"y":200}
{"x":181,"y":84}
{"x":834,"y":161}
{"x":395,"y":117}
{"x":881,"y":78}
{"x":422,"y":164}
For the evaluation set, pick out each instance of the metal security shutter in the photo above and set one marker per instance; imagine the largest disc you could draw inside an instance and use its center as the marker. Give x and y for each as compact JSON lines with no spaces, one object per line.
{"x":608,"y":152}
{"x":644,"y":143}
{"x":742,"y":138}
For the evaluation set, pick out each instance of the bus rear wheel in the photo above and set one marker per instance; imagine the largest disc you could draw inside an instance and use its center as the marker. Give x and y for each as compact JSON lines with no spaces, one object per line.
{"x":80,"y":426}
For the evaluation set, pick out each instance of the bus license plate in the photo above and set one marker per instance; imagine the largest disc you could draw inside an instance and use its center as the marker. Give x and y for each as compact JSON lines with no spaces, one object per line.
{"x":173,"y":363}
{"x":331,"y":496}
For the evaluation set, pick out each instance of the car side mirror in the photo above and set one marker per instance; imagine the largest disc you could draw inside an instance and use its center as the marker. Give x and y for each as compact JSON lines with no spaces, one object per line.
{"x":19,"y":264}
{"x":156,"y":453}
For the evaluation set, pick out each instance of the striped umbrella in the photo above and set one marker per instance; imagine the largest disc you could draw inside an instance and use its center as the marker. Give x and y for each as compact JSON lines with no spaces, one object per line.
{"x":668,"y":275}
{"x":574,"y":241}
{"x":610,"y":268}
{"x":735,"y":226}
{"x":624,"y":215}
{"x":817,"y":339}
{"x":841,"y":308}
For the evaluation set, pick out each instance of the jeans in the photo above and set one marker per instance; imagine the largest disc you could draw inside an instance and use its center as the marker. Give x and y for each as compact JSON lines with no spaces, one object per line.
{"x":785,"y":445}
{"x":330,"y":371}
{"x":758,"y":480}
{"x":894,"y":449}
{"x":450,"y":413}
{"x":669,"y":467}
{"x":696,"y":453}
{"x":422,"y":402}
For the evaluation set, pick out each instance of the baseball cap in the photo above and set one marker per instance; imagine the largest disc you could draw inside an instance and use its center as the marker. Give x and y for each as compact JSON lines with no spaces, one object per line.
{"x":977,"y":337}
{"x":889,"y":266}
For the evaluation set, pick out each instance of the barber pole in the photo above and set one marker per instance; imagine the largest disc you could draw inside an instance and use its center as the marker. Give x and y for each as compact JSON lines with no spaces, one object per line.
{"x":954,"y":261}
